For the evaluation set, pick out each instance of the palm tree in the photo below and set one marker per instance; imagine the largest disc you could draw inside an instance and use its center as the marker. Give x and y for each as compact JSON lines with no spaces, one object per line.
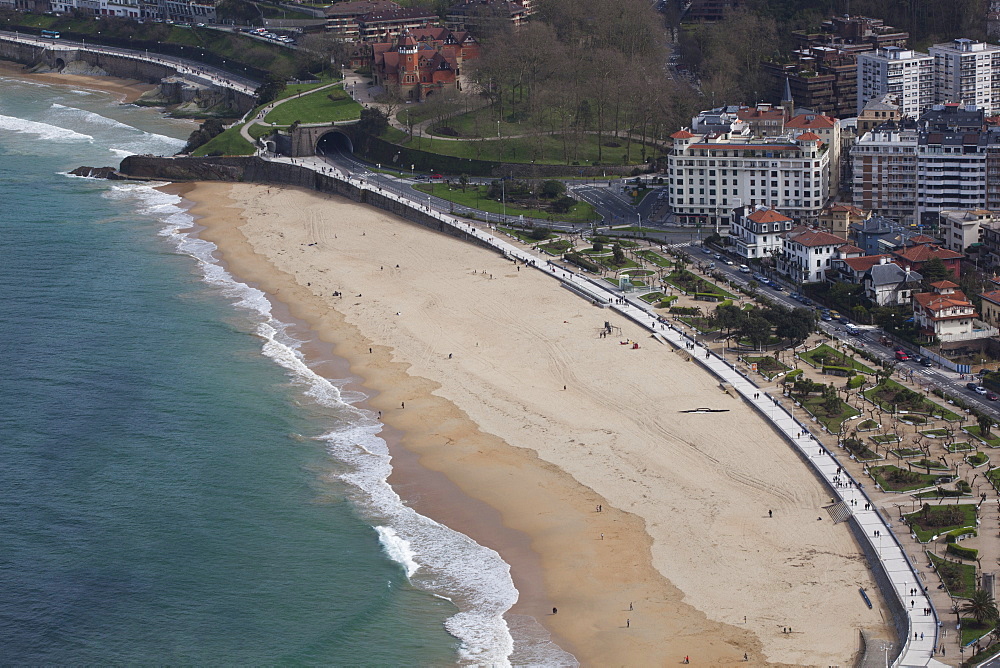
{"x":982,"y":607}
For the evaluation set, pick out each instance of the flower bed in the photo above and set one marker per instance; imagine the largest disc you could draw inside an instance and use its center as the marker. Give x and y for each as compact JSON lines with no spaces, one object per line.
{"x":826,"y":356}
{"x":894,"y":479}
{"x":961,"y":446}
{"x":931,"y":521}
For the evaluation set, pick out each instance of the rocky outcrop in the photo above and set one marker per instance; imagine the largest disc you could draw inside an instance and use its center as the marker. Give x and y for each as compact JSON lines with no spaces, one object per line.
{"x":98,"y":173}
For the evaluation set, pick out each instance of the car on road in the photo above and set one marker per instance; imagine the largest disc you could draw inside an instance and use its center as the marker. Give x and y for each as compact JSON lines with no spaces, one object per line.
{"x":706,"y":251}
{"x":992,"y":396}
{"x":728,"y":261}
{"x":981,"y":390}
{"x":744,"y":269}
{"x":718,"y":256}
{"x":777,"y":286}
{"x":825,"y":317}
{"x":436,"y":176}
{"x":902,"y":356}
{"x":927,"y":361}
{"x":852,"y":329}
{"x":971,"y":386}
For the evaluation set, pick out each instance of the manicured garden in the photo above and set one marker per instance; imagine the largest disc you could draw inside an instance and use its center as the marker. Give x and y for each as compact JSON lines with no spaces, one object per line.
{"x":894,"y":479}
{"x":476,"y":197}
{"x":824,"y":355}
{"x":991,"y":439}
{"x":961,"y":446}
{"x":932,"y":521}
{"x":869,"y":425}
{"x":831,"y":411}
{"x":704,"y":325}
{"x":767,"y":366}
{"x":687,"y":282}
{"x":906,"y":453}
{"x":324,"y":106}
{"x":890,"y":396}
{"x":860,"y":450}
{"x":959,"y":579}
{"x":655,"y":258}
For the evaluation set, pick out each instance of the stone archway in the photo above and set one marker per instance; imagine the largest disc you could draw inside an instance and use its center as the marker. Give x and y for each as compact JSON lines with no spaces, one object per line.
{"x":333,"y":142}
{"x":60,"y":64}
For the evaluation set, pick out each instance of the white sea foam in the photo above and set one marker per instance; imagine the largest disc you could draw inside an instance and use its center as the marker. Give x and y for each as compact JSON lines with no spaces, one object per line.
{"x":134,"y":140}
{"x":435,"y":557}
{"x":121,"y":152}
{"x":43,"y":130}
{"x":397,"y":549}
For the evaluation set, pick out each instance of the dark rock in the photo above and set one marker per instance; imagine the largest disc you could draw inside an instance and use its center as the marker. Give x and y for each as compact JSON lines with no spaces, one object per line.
{"x":109,"y":173}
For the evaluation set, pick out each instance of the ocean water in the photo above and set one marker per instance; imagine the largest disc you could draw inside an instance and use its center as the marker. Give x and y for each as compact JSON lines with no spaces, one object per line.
{"x":178,"y":486}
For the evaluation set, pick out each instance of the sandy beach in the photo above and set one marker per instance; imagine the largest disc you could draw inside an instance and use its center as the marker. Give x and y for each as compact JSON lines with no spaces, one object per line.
{"x":127,"y":90}
{"x":480,"y":353}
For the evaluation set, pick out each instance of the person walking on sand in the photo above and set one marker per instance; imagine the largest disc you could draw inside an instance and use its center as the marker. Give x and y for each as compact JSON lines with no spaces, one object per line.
{"x":770,"y":513}
{"x":555,"y":610}
{"x":628,"y":622}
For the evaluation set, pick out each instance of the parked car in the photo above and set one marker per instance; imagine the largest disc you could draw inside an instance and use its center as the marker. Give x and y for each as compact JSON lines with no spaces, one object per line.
{"x":744,"y":269}
{"x":777,"y":286}
{"x":825,"y":317}
{"x":971,"y":386}
{"x":902,"y":356}
{"x":728,"y":261}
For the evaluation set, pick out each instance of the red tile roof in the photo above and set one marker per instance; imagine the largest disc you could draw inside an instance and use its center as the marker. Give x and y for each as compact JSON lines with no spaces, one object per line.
{"x":812,"y":238}
{"x":850,"y":249}
{"x":681,"y":134}
{"x":811,"y":121}
{"x":934,"y":302}
{"x":809,"y":136}
{"x":944,"y":285}
{"x":845,"y":207}
{"x":921,"y":239}
{"x":768,"y":216}
{"x":863,"y":263}
{"x":992,"y":296}
{"x":925,"y":252}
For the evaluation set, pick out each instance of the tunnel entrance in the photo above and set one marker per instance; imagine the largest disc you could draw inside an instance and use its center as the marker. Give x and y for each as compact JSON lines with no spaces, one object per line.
{"x":60,"y":64}
{"x":334,"y":142}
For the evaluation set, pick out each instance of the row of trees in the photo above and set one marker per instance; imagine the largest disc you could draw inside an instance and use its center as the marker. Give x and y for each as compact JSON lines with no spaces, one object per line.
{"x":756,"y":324}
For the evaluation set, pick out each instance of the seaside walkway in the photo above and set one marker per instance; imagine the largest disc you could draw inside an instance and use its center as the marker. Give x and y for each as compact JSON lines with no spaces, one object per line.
{"x":874,"y":530}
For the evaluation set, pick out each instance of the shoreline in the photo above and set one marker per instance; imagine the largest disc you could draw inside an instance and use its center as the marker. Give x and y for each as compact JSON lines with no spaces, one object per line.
{"x":127,"y":90}
{"x":622,"y":571}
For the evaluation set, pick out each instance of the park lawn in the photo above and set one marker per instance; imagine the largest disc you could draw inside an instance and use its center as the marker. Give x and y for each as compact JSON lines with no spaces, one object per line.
{"x":653,"y":297}
{"x":910,"y":480}
{"x":869,"y":425}
{"x":316,"y":108}
{"x":522,"y":235}
{"x":959,"y":579}
{"x":961,"y":446}
{"x":913,"y":419}
{"x":978,"y":459}
{"x":702,"y":324}
{"x":814,"y":405}
{"x":475,"y":197}
{"x":906,"y":453}
{"x":973,"y":630}
{"x":767,"y":366}
{"x":860,"y":450}
{"x":965,"y":512}
{"x":834,"y":357}
{"x":542,"y":149}
{"x":557,"y":247}
{"x":229,"y":142}
{"x":935,"y":433}
{"x":609,"y":262}
{"x":257,"y":130}
{"x":685,"y":281}
{"x":882,"y":439}
{"x":992,"y":440}
{"x":655,"y":258}
{"x":877,"y":396}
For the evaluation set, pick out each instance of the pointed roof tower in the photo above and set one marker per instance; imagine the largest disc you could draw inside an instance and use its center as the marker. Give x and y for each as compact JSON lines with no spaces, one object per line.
{"x":787,"y":103}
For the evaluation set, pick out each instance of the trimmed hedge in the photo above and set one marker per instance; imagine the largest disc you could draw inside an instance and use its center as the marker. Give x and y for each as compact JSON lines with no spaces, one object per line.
{"x":854,"y":382}
{"x":952,"y":536}
{"x":793,"y":374}
{"x":685,"y":310}
{"x":969,"y":553}
{"x":839,"y":370}
{"x":581,"y":261}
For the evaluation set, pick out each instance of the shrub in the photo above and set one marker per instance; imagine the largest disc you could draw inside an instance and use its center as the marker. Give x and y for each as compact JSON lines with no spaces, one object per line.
{"x":685,"y":310}
{"x":854,"y":382}
{"x":583,"y":262}
{"x":952,"y":536}
{"x":968,"y":553}
{"x":791,"y":375}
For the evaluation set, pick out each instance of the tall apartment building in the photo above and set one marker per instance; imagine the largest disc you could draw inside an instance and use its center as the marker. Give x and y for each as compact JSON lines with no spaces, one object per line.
{"x":909,"y":171}
{"x":906,"y":74}
{"x":713,"y":173}
{"x":967,"y":72}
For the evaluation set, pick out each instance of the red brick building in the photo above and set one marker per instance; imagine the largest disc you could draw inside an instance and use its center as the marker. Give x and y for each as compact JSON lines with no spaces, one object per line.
{"x":423,"y":61}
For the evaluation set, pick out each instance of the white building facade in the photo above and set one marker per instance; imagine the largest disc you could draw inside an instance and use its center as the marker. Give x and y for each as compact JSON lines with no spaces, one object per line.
{"x":967,"y":72}
{"x":903,"y":73}
{"x":756,"y":232}
{"x":712,"y":174}
{"x":808,"y":254}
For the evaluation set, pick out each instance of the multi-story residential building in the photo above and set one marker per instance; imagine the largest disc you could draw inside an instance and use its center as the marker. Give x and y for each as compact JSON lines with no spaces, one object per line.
{"x":374,"y":20}
{"x":342,"y":18}
{"x":134,"y":9}
{"x":713,"y":173}
{"x":888,"y":284}
{"x":700,"y":11}
{"x":756,"y":231}
{"x":967,"y":72}
{"x":877,"y":112}
{"x":475,"y":15}
{"x":961,"y":228}
{"x":947,"y":314}
{"x":907,"y":74}
{"x":916,"y":256}
{"x":884,"y":170}
{"x":991,"y":307}
{"x":807,"y":254}
{"x":828,"y":130}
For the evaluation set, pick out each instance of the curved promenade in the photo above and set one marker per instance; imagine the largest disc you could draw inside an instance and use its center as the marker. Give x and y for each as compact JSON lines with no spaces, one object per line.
{"x":919,"y":630}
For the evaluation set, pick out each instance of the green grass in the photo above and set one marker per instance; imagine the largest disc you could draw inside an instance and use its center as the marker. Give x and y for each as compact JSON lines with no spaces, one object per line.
{"x":703,"y":325}
{"x":522,"y":235}
{"x":894,"y":479}
{"x":557,"y":247}
{"x":906,"y":453}
{"x":961,"y":446}
{"x":686,"y":281}
{"x":882,"y":439}
{"x":973,"y":630}
{"x":959,"y":579}
{"x":815,"y":406}
{"x":824,"y":355}
{"x":935,"y":433}
{"x":868,"y":425}
{"x":878,"y":394}
{"x":542,"y":149}
{"x":316,"y":108}
{"x":978,"y":459}
{"x":655,"y":258}
{"x":475,"y":197}
{"x":229,"y":142}
{"x":653,"y":297}
{"x":609,"y":262}
{"x":941,"y":519}
{"x":992,"y":440}
{"x":767,"y":366}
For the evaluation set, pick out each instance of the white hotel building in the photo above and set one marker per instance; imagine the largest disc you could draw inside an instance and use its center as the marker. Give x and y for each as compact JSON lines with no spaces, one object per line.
{"x":714,"y":173}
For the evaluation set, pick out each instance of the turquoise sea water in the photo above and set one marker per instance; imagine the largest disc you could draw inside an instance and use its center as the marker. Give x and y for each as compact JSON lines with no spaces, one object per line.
{"x":175,"y":485}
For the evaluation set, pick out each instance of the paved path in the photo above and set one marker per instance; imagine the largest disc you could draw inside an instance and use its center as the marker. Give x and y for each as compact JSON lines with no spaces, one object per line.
{"x":922,"y":639}
{"x":259,"y":120}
